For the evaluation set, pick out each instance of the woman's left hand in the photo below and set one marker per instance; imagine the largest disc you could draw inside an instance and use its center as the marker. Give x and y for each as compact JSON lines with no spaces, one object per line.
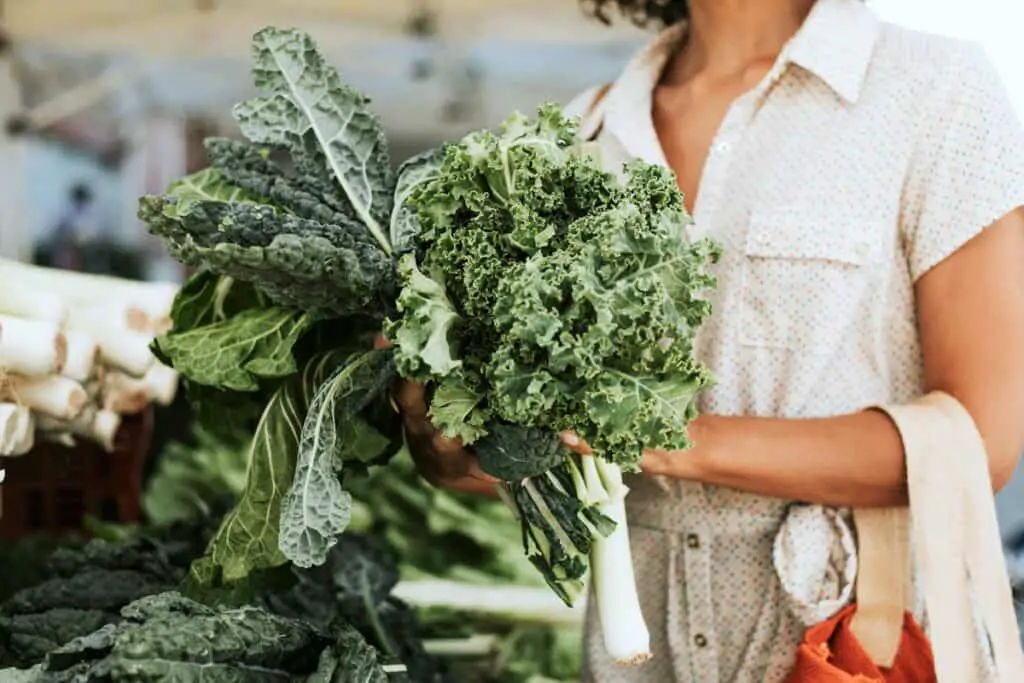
{"x":661,"y":462}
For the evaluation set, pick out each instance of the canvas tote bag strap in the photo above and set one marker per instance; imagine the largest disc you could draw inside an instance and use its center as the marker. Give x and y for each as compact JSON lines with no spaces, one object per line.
{"x":884,"y":590}
{"x":986,"y":565}
{"x":956,"y":545}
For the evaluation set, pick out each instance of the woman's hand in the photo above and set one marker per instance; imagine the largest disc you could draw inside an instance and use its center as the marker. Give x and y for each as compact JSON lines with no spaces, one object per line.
{"x":441,"y":461}
{"x":660,"y":462}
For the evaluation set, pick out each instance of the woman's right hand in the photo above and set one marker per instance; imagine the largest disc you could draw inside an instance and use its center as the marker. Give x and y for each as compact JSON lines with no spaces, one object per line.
{"x":442,"y":461}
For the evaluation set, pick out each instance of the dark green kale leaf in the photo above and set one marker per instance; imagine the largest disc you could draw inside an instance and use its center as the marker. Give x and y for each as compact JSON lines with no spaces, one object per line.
{"x":317,"y":508}
{"x":327,"y":127}
{"x":354,"y":587}
{"x":511,"y":453}
{"x":249,"y":538}
{"x":81,"y":589}
{"x":168,"y":637}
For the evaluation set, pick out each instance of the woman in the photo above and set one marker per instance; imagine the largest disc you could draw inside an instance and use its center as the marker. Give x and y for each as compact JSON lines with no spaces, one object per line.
{"x":865,"y":183}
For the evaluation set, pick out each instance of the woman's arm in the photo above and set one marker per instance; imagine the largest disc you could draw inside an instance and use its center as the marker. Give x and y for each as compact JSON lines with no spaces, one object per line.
{"x":971,"y":317}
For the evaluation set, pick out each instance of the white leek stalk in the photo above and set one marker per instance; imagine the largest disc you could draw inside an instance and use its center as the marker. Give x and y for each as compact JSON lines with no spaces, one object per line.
{"x":56,"y":396}
{"x":82,"y":355}
{"x":86,"y":289}
{"x":99,"y":426}
{"x":119,"y":347}
{"x":17,"y":430}
{"x":24,"y":301}
{"x":31,"y":347}
{"x":123,"y":394}
{"x":626,"y":637}
{"x":162,"y":382}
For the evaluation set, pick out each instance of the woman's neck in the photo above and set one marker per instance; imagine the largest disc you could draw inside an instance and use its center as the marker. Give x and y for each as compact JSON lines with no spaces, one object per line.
{"x":728,"y":38}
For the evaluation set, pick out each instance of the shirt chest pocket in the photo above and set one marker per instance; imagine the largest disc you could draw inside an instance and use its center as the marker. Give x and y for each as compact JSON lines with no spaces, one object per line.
{"x":807,"y":276}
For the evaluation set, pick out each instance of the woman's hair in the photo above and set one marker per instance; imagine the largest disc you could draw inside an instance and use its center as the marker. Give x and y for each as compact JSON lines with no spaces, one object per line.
{"x":640,"y":12}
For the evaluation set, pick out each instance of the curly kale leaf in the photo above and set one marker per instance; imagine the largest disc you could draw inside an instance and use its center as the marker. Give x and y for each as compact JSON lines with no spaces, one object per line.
{"x":554,"y":295}
{"x":421,"y":334}
{"x":317,"y":508}
{"x":326,"y":125}
{"x":456,"y":410}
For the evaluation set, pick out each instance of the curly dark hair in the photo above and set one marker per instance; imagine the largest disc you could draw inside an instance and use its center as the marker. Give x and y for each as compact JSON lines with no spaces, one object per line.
{"x":643,"y":13}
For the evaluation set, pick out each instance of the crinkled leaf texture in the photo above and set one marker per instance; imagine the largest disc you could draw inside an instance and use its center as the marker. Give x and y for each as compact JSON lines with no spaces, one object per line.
{"x":317,"y":508}
{"x":405,"y":223}
{"x":554,"y":295}
{"x":248,"y":538}
{"x":166,"y":637}
{"x":421,"y":334}
{"x":295,"y":261}
{"x":314,"y":236}
{"x":236,"y":353}
{"x":513,"y":453}
{"x":324,"y":123}
{"x":455,"y":410}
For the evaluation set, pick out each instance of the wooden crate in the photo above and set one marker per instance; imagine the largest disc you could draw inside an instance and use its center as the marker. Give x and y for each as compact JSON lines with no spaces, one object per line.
{"x":53,"y":488}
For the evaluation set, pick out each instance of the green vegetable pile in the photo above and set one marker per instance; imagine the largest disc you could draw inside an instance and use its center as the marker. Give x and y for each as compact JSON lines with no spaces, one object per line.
{"x":530,"y":289}
{"x":110,"y":610}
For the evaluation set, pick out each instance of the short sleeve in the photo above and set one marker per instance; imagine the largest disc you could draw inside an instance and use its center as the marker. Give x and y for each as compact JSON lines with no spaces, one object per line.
{"x":968,"y":168}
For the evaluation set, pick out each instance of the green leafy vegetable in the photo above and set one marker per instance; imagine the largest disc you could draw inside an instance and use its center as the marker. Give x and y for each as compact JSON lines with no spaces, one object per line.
{"x":317,"y":509}
{"x":530,"y":289}
{"x":248,"y":539}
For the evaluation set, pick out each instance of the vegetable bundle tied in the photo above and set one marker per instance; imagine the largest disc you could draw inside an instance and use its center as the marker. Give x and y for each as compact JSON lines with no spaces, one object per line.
{"x":532,"y":291}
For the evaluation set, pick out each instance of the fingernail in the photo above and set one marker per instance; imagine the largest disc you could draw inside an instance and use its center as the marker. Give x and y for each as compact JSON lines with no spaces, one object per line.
{"x":570,"y":439}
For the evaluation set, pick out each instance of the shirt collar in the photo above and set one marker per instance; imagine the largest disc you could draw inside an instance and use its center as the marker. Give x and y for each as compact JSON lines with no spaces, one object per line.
{"x":835,"y":44}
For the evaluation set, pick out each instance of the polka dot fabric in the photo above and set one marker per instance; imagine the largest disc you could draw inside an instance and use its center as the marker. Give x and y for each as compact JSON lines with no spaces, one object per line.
{"x":867,"y":155}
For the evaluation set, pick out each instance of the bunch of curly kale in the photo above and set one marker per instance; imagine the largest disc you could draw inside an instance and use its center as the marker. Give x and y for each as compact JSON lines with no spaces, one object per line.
{"x":530,"y":289}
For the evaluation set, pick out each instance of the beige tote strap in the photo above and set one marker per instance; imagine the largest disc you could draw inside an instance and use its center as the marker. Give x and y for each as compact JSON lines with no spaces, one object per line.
{"x":884,"y":590}
{"x":956,"y":544}
{"x":985,"y":562}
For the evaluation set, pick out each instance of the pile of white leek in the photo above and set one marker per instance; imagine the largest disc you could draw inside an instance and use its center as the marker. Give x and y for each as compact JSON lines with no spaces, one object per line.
{"x":74,"y":354}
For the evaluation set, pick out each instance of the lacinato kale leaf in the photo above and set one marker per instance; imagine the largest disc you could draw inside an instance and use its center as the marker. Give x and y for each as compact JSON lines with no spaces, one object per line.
{"x":165,"y":637}
{"x":249,"y":538}
{"x":317,"y":508}
{"x":327,"y":127}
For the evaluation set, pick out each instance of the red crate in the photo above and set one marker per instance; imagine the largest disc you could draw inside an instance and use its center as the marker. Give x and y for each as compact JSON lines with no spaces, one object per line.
{"x":53,"y":488}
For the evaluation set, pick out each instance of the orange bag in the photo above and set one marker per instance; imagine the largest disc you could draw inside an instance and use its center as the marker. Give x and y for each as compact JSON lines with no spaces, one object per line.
{"x":955,"y":539}
{"x":831,"y":653}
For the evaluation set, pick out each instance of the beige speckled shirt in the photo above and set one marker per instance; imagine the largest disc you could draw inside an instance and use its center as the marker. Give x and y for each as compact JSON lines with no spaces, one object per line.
{"x":868,"y":155}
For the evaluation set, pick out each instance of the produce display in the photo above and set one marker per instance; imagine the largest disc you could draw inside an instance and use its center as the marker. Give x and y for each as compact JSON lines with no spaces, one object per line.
{"x":74,"y":354}
{"x":112,"y":609}
{"x":532,"y":291}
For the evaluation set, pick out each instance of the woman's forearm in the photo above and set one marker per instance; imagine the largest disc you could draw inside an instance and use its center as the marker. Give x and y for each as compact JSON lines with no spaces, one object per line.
{"x":854,"y":460}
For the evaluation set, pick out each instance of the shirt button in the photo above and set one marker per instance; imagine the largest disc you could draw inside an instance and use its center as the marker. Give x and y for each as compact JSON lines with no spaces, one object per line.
{"x":693,"y":541}
{"x":700,"y":640}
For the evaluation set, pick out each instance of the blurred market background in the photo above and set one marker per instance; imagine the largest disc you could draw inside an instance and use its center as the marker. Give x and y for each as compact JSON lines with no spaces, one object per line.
{"x":102,"y":101}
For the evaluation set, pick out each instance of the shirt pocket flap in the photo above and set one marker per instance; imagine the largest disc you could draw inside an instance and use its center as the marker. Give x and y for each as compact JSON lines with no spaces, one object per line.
{"x":802,"y":235}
